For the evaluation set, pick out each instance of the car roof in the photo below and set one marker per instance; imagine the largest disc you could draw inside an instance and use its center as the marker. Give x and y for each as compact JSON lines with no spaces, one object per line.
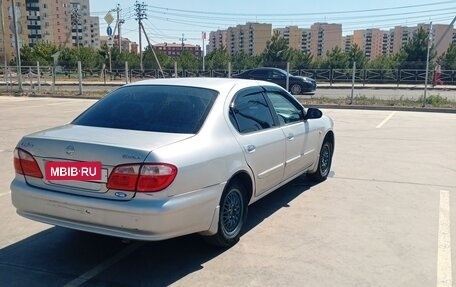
{"x":217,"y":84}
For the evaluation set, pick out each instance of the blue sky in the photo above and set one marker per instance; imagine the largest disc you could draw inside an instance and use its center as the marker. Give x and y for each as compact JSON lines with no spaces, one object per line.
{"x":167,"y":20}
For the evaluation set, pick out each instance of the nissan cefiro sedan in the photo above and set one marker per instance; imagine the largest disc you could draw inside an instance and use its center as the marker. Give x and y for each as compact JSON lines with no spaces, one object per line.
{"x":171,"y":157}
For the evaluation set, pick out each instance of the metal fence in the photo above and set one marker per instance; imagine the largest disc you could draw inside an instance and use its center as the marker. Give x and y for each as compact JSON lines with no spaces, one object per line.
{"x":36,"y":75}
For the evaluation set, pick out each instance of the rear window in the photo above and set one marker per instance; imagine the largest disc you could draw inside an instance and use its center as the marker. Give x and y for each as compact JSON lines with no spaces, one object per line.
{"x":168,"y":109}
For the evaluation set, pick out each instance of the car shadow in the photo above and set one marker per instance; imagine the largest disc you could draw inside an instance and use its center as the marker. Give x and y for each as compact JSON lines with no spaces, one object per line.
{"x":57,"y":256}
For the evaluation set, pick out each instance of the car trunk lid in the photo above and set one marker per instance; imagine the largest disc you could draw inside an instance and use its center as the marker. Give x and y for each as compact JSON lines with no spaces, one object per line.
{"x":111,"y":147}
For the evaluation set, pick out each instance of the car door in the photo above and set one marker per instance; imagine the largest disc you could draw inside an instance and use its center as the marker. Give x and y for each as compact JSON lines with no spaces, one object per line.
{"x":259,"y":74}
{"x":260,"y":137}
{"x":279,"y":78}
{"x":299,"y":145}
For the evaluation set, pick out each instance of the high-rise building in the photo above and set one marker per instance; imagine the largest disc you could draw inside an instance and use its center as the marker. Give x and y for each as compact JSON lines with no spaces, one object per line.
{"x":347,"y":43}
{"x":438,"y":31}
{"x":217,"y":40}
{"x":370,"y":41}
{"x":85,"y":28}
{"x":400,"y":35}
{"x":324,"y":38}
{"x":297,"y":38}
{"x":49,"y":21}
{"x":250,"y":38}
{"x":8,"y":36}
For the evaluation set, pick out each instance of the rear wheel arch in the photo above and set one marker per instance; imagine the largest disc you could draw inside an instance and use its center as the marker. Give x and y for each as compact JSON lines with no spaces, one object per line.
{"x":243,"y":178}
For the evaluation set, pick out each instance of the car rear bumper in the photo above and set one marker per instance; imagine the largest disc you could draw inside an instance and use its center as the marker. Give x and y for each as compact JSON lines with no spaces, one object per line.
{"x":139,"y":219}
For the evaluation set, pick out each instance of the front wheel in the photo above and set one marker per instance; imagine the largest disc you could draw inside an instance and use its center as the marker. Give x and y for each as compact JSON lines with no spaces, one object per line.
{"x":324,"y":162}
{"x":296,"y":89}
{"x":233,"y":213}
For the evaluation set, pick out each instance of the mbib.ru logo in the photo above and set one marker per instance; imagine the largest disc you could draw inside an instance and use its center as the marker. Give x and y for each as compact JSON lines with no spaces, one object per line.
{"x":86,"y":171}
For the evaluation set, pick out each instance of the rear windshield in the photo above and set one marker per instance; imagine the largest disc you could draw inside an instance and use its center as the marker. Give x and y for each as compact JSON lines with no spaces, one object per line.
{"x":169,"y":109}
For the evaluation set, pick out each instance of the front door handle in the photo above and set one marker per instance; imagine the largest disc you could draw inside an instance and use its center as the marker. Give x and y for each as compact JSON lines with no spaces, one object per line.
{"x":290,"y":137}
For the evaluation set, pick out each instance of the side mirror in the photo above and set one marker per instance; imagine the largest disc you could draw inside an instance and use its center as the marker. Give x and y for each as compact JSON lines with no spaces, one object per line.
{"x":313,"y":113}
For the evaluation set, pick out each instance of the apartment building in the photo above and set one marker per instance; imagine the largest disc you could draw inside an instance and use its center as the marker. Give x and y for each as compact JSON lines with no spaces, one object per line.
{"x":7,"y":37}
{"x":400,"y":35}
{"x":371,"y":42}
{"x":297,"y":38}
{"x":438,"y":31}
{"x":324,"y":38}
{"x":174,"y":49}
{"x":49,"y":21}
{"x":347,"y":43}
{"x":85,"y":29}
{"x":217,"y":40}
{"x":250,"y":38}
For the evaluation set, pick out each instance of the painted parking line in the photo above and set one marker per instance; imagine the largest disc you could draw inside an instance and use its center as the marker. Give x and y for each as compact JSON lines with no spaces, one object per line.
{"x":444,"y":276}
{"x":385,"y":120}
{"x":81,"y":280}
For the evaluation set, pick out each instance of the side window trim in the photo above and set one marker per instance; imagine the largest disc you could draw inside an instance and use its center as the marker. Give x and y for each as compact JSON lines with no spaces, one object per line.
{"x":288,"y":99}
{"x":246,"y":92}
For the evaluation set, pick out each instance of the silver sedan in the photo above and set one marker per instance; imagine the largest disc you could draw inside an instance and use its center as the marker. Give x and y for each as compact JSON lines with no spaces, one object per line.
{"x":163,"y":158}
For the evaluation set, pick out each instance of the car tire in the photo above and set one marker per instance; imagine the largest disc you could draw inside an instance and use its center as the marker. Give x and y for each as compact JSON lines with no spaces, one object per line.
{"x":324,"y":162}
{"x":232,"y":216}
{"x":296,"y":89}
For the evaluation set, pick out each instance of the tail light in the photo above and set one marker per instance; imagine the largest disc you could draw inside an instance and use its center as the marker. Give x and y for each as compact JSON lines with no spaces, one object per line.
{"x":149,"y":177}
{"x":25,"y":164}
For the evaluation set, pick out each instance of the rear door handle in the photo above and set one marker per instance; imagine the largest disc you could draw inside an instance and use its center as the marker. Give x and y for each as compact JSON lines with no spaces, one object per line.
{"x":250,"y":148}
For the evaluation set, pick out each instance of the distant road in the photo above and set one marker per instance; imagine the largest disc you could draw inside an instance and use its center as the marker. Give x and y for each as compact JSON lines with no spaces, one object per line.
{"x":341,"y":90}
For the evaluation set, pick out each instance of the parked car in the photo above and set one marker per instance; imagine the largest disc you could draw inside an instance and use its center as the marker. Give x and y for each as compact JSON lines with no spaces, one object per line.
{"x":297,"y":84}
{"x":175,"y":156}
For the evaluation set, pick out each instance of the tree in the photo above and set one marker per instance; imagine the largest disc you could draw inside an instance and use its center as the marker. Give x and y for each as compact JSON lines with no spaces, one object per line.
{"x":243,"y":61}
{"x":277,"y":52}
{"x":90,"y":58}
{"x":448,"y":59}
{"x":300,"y":60}
{"x":355,"y":54}
{"x":68,"y":58}
{"x":414,"y":53}
{"x":41,"y":52}
{"x":150,"y":62}
{"x":384,"y":62}
{"x":335,"y":59}
{"x":187,"y":61}
{"x":217,"y":60}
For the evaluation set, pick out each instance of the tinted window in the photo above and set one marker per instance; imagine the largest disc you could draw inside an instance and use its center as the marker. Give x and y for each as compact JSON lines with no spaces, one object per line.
{"x":287,"y":110}
{"x":169,"y":109}
{"x":251,"y":113}
{"x":259,"y":73}
{"x":278,"y":74}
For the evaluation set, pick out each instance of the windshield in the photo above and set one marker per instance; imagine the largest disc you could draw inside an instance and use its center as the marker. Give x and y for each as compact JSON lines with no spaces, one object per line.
{"x":169,"y":109}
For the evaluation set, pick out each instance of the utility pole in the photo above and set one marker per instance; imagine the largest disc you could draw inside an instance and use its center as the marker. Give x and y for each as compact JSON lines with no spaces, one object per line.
{"x":118,"y":24}
{"x":153,"y":51}
{"x":140,"y":10}
{"x":203,"y":35}
{"x":183,"y":44}
{"x":18,"y":49}
{"x":427,"y":64}
{"x":3,"y":38}
{"x":445,"y":33}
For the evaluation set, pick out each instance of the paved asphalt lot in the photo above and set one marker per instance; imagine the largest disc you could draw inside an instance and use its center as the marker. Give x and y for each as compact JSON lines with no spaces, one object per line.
{"x":374,"y":222}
